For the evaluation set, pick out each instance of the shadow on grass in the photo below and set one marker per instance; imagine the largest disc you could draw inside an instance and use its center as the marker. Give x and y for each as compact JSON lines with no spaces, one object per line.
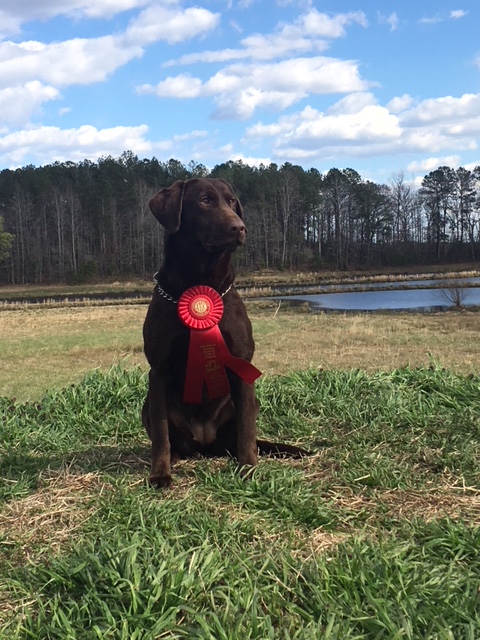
{"x":21,"y":472}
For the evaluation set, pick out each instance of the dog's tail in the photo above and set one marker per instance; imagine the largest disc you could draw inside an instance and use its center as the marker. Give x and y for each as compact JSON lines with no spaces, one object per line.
{"x":280,"y":450}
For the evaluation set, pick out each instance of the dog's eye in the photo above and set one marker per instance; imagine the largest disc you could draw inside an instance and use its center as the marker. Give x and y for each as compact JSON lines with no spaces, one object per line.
{"x":232,"y":202}
{"x":205,"y":200}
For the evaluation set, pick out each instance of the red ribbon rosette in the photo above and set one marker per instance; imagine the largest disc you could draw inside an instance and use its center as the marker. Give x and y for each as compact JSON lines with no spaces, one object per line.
{"x":201,"y":309}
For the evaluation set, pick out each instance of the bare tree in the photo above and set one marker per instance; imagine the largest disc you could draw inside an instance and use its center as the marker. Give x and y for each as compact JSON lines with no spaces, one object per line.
{"x":455,"y":293}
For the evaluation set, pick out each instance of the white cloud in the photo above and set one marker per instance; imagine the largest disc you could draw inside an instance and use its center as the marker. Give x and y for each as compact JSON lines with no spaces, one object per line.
{"x":453,"y":15}
{"x":191,"y":135}
{"x":87,"y":142}
{"x":458,"y":13}
{"x":85,"y":61}
{"x":356,"y":126}
{"x":239,"y":89}
{"x":472,"y":165}
{"x":281,"y":83}
{"x":182,"y":86}
{"x":77,"y":61}
{"x":431,"y":20}
{"x":252,"y":161}
{"x":53,"y":143}
{"x":13,"y":13}
{"x":311,"y":129}
{"x":430,"y":164}
{"x":19,"y":103}
{"x":171,"y":25}
{"x":311,"y":31}
{"x":242,"y":88}
{"x":447,"y":110}
{"x":322,"y":25}
{"x":392,"y":20}
{"x":400,"y":103}
{"x":353,"y":103}
{"x":32,"y":72}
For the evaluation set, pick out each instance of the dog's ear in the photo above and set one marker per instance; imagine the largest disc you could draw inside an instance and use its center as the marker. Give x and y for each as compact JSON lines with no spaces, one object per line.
{"x":166,"y":206}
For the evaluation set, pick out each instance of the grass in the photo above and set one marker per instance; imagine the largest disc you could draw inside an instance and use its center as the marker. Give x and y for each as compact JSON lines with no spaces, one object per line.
{"x":374,"y":536}
{"x":48,"y":348}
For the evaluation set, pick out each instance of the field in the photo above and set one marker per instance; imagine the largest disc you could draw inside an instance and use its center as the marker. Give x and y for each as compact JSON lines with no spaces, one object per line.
{"x":376,"y":535}
{"x":46,"y":348}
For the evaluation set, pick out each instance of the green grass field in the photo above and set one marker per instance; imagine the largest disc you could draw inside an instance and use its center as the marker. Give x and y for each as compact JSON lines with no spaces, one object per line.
{"x":375,"y":536}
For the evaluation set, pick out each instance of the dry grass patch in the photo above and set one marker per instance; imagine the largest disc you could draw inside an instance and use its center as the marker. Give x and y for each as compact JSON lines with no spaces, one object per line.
{"x":398,"y":506}
{"x":38,"y":321}
{"x":289,"y":341}
{"x":46,"y":520}
{"x":51,"y":348}
{"x":404,"y":505}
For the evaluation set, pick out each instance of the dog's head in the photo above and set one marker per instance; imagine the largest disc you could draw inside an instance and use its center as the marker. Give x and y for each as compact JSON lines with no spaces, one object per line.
{"x":205,"y":210}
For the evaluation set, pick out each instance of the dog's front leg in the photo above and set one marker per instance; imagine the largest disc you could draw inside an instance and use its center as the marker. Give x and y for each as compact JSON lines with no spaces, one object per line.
{"x":160,"y":474}
{"x":246,"y":409}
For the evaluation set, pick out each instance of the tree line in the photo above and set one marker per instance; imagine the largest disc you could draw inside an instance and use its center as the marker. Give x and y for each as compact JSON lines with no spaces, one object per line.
{"x":74,"y":222}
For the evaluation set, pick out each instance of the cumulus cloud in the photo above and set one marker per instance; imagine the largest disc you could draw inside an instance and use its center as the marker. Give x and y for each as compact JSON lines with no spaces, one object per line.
{"x":87,"y":142}
{"x":19,"y":103}
{"x":170,"y":24}
{"x":240,"y":89}
{"x":353,"y":103}
{"x":77,"y":61}
{"x":32,"y":72}
{"x":447,"y":110}
{"x":357,"y":126}
{"x":13,"y":13}
{"x":312,"y":31}
{"x":400,"y":103}
{"x":430,"y":164}
{"x":258,"y":80}
{"x":90,"y":60}
{"x":182,"y":86}
{"x":252,"y":161}
{"x":53,"y":143}
{"x":306,"y":133}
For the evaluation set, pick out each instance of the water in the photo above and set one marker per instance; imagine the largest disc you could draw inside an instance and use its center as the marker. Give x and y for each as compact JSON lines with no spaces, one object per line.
{"x":416,"y":299}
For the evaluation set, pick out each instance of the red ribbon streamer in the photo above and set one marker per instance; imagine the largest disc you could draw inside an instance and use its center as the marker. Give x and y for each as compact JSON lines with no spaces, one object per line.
{"x":201,"y":309}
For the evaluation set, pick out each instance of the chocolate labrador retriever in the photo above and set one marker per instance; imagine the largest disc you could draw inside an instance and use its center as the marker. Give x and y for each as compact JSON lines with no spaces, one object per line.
{"x":204,"y":225}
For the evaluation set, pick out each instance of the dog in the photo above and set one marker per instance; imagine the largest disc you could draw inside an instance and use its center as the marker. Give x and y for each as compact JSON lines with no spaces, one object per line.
{"x":203,"y":221}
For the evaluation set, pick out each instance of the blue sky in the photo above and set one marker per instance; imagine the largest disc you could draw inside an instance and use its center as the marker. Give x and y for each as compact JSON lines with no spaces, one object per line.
{"x":381,"y":86}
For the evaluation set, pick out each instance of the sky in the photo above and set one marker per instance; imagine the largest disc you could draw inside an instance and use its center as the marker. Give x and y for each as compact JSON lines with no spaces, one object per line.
{"x":380,"y":86}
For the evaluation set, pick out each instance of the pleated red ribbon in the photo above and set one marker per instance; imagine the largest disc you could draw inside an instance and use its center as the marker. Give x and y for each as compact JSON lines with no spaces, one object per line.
{"x":201,"y":309}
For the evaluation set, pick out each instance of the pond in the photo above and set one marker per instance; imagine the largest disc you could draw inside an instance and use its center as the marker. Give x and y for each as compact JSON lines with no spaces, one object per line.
{"x":412,"y":299}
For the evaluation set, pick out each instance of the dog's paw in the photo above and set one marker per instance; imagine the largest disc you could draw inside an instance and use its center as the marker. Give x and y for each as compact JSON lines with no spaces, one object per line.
{"x":161,"y":482}
{"x":246,"y":471}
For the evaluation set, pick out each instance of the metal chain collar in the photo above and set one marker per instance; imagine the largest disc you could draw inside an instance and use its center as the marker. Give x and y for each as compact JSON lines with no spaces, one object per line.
{"x":168,"y":297}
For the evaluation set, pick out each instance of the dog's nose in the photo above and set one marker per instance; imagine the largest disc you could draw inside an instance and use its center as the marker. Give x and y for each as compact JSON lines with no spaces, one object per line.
{"x":238,"y":228}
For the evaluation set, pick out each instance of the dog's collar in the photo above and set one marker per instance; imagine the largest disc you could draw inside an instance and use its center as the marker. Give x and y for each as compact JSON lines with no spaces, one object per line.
{"x":168,"y":297}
